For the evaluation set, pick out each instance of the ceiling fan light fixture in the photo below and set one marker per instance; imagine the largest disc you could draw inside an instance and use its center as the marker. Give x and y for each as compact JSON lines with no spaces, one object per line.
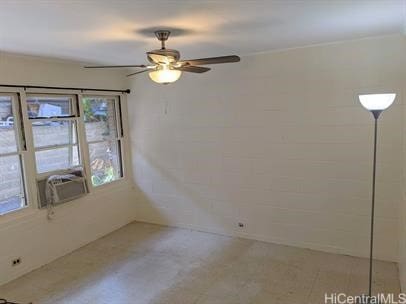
{"x":164,"y":75}
{"x":165,"y":64}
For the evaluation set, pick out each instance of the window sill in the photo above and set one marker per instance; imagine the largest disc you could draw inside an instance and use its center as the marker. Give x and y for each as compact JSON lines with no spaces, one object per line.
{"x":114,"y":186}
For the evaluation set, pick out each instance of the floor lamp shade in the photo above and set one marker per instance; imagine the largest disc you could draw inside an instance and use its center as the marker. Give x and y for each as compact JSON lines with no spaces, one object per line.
{"x":377,"y":102}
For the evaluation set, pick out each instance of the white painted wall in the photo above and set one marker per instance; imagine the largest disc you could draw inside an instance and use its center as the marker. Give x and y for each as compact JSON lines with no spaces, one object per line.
{"x":278,"y":143}
{"x":402,"y":213}
{"x":27,"y":233}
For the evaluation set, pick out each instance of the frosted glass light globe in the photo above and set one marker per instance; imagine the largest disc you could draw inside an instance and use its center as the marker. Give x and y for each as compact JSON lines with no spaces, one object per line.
{"x":165,"y":75}
{"x":377,"y":102}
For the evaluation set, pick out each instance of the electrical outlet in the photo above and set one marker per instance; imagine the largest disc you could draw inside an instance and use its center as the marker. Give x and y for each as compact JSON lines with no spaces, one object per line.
{"x":16,"y":262}
{"x":241,"y":225}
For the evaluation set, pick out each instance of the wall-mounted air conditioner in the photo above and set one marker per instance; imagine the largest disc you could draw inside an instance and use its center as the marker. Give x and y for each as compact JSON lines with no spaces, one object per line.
{"x":59,"y":189}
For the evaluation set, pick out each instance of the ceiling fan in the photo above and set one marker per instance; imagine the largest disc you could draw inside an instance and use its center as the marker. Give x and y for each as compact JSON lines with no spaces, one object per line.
{"x":166,"y":66}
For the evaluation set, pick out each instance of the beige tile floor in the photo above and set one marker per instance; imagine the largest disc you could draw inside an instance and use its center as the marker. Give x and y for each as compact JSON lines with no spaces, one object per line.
{"x":150,"y":264}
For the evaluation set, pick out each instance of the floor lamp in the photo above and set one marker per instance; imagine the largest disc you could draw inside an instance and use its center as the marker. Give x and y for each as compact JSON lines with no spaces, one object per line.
{"x":376,"y":104}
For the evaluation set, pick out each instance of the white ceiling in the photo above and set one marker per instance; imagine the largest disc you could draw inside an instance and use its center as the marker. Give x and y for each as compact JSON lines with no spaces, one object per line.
{"x":114,"y":31}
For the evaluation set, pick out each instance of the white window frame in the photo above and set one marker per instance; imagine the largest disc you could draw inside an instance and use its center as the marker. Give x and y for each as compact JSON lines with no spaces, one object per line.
{"x":74,"y":118}
{"x":120,"y":138}
{"x":29,"y":170}
{"x":21,"y":146}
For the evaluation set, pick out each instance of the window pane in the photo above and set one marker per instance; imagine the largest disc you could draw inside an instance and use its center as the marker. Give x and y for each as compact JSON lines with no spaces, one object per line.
{"x":100,"y":118}
{"x":105,"y":162}
{"x":7,"y":128}
{"x":49,"y":106}
{"x":51,"y":133}
{"x":57,"y":159}
{"x":11,"y":184}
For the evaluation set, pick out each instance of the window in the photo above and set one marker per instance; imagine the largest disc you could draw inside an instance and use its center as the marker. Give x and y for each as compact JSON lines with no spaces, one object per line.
{"x":54,"y":121}
{"x":104,"y":138}
{"x":12,"y":188}
{"x":64,"y":131}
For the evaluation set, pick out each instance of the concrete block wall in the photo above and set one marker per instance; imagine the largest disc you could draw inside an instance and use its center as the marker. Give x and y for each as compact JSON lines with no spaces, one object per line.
{"x":278,"y":143}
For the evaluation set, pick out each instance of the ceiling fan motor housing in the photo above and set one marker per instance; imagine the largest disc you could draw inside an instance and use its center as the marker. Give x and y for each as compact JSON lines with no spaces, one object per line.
{"x":165,"y":56}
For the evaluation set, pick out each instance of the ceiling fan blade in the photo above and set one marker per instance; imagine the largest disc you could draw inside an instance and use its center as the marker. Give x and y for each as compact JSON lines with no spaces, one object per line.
{"x":139,"y":72}
{"x":212,"y":60}
{"x":115,"y":66}
{"x":193,"y":69}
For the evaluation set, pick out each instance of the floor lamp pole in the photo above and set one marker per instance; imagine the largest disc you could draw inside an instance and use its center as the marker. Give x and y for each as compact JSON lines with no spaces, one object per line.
{"x":376,"y":114}
{"x":376,"y":104}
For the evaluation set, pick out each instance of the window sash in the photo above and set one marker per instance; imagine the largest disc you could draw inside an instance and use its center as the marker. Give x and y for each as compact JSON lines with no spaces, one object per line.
{"x":117,"y":139}
{"x":74,"y":117}
{"x":21,"y":147}
{"x":104,"y":140}
{"x":11,"y":154}
{"x":17,"y":124}
{"x":72,"y":130}
{"x":54,"y":147}
{"x":54,"y":119}
{"x":23,"y":189}
{"x":68,"y":158}
{"x":118,"y":134}
{"x":119,"y":157}
{"x":73,"y":105}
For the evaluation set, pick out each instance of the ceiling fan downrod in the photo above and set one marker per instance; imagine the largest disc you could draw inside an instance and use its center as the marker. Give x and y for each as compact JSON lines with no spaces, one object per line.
{"x":162,"y":36}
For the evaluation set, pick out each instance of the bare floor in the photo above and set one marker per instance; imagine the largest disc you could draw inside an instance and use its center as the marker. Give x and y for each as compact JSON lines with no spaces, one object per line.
{"x":150,"y":264}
